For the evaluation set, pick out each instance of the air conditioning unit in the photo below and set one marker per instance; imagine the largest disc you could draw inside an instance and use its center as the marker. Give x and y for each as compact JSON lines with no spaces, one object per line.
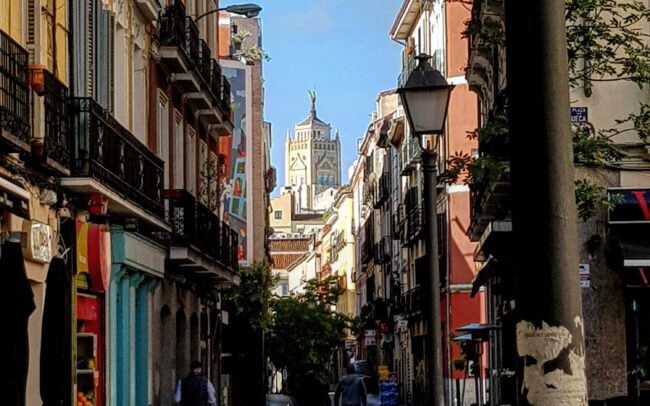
{"x":38,"y":244}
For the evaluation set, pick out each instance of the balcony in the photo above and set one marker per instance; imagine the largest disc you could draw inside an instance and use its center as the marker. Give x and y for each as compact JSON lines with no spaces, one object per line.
{"x":108,"y":160}
{"x":410,"y":155}
{"x":412,"y":302}
{"x":413,"y":223}
{"x":50,"y":149}
{"x":382,"y":191}
{"x":382,"y":251}
{"x":196,"y":242}
{"x":367,"y":249}
{"x":224,"y":126}
{"x":203,"y":98}
{"x":148,"y":8}
{"x":14,"y":96}
{"x":178,"y":37}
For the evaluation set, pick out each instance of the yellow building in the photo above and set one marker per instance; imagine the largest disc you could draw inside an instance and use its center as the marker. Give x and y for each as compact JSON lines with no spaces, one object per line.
{"x":33,"y":46}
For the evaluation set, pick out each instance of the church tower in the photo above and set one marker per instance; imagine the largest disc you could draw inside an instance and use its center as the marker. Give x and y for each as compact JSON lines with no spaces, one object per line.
{"x":312,"y":160}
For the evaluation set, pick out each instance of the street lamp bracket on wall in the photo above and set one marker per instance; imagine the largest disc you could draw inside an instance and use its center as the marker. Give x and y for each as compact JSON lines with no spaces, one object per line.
{"x":249,"y":10}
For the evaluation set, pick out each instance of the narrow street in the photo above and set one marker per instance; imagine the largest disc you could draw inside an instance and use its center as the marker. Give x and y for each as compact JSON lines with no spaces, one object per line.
{"x":206,"y":202}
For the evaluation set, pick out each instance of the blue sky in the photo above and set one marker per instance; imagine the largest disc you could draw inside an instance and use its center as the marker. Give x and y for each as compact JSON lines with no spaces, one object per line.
{"x":340,"y":49}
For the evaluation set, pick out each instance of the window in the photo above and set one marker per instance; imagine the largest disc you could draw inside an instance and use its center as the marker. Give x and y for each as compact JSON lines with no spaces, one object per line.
{"x":179,"y":161}
{"x":162,"y":133}
{"x":278,"y":214}
{"x":190,"y":160}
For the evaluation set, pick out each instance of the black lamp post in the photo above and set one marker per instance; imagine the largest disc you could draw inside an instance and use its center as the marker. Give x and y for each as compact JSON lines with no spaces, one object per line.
{"x":425,"y":97}
{"x":249,"y":10}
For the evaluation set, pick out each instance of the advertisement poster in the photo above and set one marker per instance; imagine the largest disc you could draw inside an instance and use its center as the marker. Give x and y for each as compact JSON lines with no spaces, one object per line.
{"x":234,"y":204}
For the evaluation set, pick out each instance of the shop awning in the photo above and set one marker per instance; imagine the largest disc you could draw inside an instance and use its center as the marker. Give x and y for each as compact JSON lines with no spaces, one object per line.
{"x":483,"y":275}
{"x":635,"y":252}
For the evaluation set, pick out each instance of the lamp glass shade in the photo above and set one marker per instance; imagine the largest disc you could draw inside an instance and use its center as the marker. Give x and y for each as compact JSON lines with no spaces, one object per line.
{"x":426,"y":108}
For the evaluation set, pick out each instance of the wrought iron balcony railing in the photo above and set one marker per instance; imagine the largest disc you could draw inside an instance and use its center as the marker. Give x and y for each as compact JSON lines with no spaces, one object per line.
{"x":194,"y":223}
{"x":412,"y":301}
{"x":56,"y":142}
{"x":104,"y":150}
{"x":176,"y":29}
{"x":215,"y":80}
{"x":382,"y":191}
{"x":225,"y":96}
{"x":413,"y":219}
{"x":207,"y":230}
{"x":229,"y":244}
{"x":383,"y":251}
{"x":182,"y":216}
{"x":14,"y":95}
{"x":204,"y":65}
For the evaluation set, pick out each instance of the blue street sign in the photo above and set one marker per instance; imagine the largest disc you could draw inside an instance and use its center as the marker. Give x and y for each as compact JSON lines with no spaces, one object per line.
{"x":579,"y":115}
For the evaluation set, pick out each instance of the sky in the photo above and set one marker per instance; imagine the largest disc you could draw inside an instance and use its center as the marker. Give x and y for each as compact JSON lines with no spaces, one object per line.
{"x":340,"y":49}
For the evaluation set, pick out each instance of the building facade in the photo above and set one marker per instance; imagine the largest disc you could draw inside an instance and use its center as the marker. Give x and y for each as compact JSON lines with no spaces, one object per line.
{"x":612,"y":273}
{"x":110,"y":179}
{"x":312,"y":160}
{"x":435,"y":28}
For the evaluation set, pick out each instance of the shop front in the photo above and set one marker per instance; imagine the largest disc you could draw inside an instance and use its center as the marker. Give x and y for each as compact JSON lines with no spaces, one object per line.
{"x":92,"y":282}
{"x":629,"y":223}
{"x":136,"y":270}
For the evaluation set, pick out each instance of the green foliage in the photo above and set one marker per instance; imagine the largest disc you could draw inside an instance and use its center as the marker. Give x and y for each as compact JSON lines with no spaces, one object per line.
{"x":306,"y":331}
{"x":593,"y":148}
{"x":590,"y":197}
{"x":606,"y":41}
{"x":252,"y":297}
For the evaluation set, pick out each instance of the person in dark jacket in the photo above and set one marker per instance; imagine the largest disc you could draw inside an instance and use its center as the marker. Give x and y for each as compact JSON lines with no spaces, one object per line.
{"x":352,"y":389}
{"x":195,"y":389}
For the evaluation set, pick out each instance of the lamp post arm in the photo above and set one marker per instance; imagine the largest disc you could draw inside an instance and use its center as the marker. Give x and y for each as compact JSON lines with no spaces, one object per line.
{"x":200,"y":16}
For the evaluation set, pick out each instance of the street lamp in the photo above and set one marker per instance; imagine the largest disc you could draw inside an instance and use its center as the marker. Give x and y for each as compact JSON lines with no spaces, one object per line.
{"x":425,"y":97}
{"x":249,"y":10}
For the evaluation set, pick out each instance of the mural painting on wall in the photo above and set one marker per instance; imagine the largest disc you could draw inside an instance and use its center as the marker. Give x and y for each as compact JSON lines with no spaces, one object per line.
{"x":233,"y":199}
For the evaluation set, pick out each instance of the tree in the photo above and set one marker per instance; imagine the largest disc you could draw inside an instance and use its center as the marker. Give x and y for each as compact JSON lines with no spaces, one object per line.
{"x":607,"y":42}
{"x":249,"y":306}
{"x":305,"y":333}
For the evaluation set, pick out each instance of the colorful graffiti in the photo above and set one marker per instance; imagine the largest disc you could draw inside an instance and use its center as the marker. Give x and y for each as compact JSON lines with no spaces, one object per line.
{"x":234,"y":187}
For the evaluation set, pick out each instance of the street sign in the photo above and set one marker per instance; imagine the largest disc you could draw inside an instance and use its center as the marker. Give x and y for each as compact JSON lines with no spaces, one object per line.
{"x":579,"y":115}
{"x":584,"y":275}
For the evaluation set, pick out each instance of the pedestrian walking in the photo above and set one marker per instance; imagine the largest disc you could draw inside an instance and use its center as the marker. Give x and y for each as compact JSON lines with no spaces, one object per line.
{"x":351,"y":390}
{"x":195,"y":389}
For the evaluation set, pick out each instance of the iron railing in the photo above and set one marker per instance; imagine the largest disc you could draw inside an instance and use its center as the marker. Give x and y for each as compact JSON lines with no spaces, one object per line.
{"x":413,"y":221}
{"x":367,"y":249}
{"x":14,"y":94}
{"x":204,"y":65}
{"x":382,"y":251}
{"x":412,"y":301}
{"x":207,"y":230}
{"x":225,"y":96}
{"x":182,"y":216}
{"x":229,"y":246}
{"x":194,"y":223}
{"x":56,"y":143}
{"x":215,"y":80}
{"x":104,"y":150}
{"x":176,"y":29}
{"x":382,"y":191}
